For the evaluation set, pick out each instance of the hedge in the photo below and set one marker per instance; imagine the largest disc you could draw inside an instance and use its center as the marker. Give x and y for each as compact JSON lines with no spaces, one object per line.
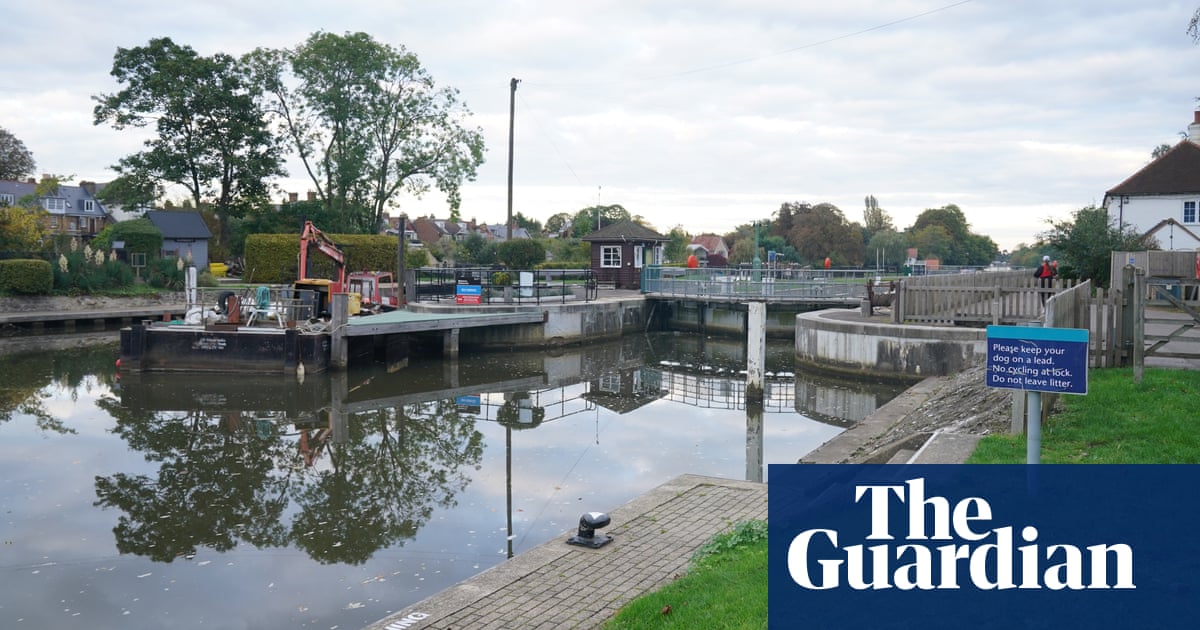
{"x":31,"y":277}
{"x":275,"y":258}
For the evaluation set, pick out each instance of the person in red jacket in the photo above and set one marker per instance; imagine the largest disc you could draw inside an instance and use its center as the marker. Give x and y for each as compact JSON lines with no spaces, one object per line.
{"x":1045,"y":274}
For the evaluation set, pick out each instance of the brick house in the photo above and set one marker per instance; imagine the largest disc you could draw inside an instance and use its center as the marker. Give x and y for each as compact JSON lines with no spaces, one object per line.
{"x":70,"y":210}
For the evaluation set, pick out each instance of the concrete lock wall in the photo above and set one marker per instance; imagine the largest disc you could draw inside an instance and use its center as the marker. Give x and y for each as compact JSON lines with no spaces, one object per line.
{"x":566,"y":324}
{"x":723,"y":318}
{"x":834,"y":340}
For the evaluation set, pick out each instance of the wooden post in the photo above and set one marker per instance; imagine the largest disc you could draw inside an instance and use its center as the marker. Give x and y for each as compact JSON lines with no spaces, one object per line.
{"x":339,"y":350}
{"x":1138,"y":313}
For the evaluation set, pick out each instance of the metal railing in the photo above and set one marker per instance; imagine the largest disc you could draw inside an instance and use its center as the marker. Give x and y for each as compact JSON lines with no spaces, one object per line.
{"x":492,"y":285}
{"x":736,"y":283}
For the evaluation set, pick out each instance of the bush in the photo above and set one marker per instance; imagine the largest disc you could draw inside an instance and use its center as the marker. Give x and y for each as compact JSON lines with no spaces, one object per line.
{"x":86,"y":270}
{"x":30,"y":277}
{"x":166,"y":273}
{"x":522,"y":253}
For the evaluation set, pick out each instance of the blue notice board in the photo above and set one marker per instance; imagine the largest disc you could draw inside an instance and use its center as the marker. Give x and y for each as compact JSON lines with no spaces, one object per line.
{"x":1037,"y":359}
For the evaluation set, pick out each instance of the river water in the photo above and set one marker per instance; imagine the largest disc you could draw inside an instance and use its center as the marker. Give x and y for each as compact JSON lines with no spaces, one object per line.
{"x":226,"y":501}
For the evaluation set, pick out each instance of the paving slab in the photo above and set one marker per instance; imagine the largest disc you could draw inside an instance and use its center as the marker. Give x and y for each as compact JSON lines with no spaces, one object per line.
{"x":556,"y":585}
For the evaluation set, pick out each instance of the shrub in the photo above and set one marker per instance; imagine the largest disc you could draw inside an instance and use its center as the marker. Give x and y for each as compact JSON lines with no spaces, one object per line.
{"x":521,"y":253}
{"x":84,"y":270}
{"x":166,"y":273}
{"x":30,"y":277}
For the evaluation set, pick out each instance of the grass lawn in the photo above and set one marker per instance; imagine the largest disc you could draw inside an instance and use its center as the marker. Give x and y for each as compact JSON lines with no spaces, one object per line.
{"x":725,"y":587}
{"x":1117,"y":422}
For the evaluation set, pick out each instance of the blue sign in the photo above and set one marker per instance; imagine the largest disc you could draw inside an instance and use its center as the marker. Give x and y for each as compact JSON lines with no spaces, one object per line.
{"x":467,"y":401}
{"x":1037,"y":359}
{"x":982,"y":546}
{"x":468,"y":289}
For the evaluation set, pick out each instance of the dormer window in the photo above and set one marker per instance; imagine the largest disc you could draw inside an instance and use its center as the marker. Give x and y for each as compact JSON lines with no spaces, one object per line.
{"x":89,"y":205}
{"x":55,"y":203}
{"x":6,"y":199}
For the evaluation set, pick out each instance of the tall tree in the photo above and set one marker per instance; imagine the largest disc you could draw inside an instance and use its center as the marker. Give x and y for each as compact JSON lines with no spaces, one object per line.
{"x":956,"y":245}
{"x":368,"y":122}
{"x":210,"y":135}
{"x":676,"y":249}
{"x":875,"y":219}
{"x":16,"y":162}
{"x":593,"y":218}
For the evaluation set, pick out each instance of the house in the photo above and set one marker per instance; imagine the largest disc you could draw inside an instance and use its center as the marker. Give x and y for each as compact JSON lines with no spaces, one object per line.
{"x":710,"y":250}
{"x":184,"y":235}
{"x":71,"y":210}
{"x":620,"y":250}
{"x":1163,"y":198}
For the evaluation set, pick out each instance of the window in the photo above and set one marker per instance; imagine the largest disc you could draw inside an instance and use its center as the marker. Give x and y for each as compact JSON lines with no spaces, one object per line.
{"x":54,"y":223}
{"x":610,"y":256}
{"x":638,"y":252}
{"x":89,"y":205}
{"x":6,"y":199}
{"x":55,"y":203}
{"x":1189,"y":212}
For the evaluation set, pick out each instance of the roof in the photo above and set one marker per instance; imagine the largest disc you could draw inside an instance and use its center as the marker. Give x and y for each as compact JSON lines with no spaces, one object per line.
{"x":1164,"y":223}
{"x":74,"y":196}
{"x":1175,"y":172}
{"x":710,"y":242}
{"x":179,"y":225}
{"x":625,"y":231}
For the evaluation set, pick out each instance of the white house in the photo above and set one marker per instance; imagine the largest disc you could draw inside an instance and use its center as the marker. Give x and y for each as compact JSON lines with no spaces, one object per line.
{"x":1163,"y":198}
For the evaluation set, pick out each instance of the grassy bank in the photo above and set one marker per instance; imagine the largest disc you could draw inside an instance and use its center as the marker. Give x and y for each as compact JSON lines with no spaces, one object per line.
{"x":725,"y":587}
{"x":1117,"y":422}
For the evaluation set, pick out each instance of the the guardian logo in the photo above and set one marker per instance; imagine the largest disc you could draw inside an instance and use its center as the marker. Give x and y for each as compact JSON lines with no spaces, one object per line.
{"x":949,"y":546}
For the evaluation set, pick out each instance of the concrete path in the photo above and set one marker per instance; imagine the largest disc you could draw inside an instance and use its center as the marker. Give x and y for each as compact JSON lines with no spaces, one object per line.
{"x":557,"y":585}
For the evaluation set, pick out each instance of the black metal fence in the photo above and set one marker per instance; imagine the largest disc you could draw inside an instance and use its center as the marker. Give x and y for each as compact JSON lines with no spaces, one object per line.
{"x":492,"y":285}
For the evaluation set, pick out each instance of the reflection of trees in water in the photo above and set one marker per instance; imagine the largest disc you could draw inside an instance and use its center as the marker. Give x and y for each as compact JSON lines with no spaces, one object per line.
{"x":33,"y":378}
{"x":384,"y":482}
{"x":221,"y":482}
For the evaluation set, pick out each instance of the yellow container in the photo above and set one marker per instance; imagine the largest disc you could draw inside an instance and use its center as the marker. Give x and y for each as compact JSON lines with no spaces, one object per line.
{"x":218,"y":270}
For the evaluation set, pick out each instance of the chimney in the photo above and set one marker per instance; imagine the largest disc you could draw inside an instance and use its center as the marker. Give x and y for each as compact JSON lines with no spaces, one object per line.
{"x":1194,"y":128}
{"x":312,"y":195}
{"x":90,"y":187}
{"x":293,"y":197}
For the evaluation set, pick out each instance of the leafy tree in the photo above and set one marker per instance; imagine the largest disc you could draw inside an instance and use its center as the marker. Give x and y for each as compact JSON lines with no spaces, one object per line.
{"x":875,"y":219}
{"x":1085,"y":244}
{"x":956,"y":244}
{"x":533,"y":226}
{"x":822,"y":231}
{"x":521,"y":253}
{"x":584,"y":222}
{"x":21,"y":229}
{"x":16,"y":162}
{"x":1159,"y":151}
{"x":887,"y":247}
{"x":676,"y":249}
{"x":557,"y":221}
{"x":210,"y":135}
{"x":477,"y":250}
{"x":368,"y":122}
{"x":131,"y":191}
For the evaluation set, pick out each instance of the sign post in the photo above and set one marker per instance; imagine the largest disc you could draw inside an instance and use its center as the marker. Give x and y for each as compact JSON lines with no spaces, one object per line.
{"x":1037,"y":360}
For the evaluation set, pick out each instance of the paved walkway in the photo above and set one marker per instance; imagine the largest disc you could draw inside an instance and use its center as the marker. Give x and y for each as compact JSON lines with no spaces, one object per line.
{"x":557,"y":585}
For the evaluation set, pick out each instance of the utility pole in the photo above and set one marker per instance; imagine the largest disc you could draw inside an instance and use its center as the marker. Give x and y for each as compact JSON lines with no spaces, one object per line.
{"x":512,"y":115}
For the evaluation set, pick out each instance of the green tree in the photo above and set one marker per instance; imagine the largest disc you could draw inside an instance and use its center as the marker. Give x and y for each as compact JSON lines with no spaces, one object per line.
{"x":557,"y":221}
{"x":822,"y":231}
{"x":956,"y":245}
{"x":887,"y":248}
{"x":1085,"y":244}
{"x":21,"y":229}
{"x":16,"y":162}
{"x":876,"y":219}
{"x":368,"y":123}
{"x":130,"y":191}
{"x":585,"y":221}
{"x":211,"y":137}
{"x":521,"y":253}
{"x":477,"y":250}
{"x":676,"y":250}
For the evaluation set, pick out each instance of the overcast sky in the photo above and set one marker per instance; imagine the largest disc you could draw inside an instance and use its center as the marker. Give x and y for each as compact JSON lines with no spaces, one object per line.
{"x":701,"y":113}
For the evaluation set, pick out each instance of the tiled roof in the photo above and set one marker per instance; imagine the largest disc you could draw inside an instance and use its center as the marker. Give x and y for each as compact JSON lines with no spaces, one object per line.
{"x":75,"y":197}
{"x":1175,"y":172}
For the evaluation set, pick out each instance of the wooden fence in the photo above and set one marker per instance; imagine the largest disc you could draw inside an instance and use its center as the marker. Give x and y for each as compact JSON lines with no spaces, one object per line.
{"x":978,"y":299}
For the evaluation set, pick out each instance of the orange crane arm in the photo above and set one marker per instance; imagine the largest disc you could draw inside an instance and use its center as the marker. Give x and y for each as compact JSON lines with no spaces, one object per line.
{"x":312,"y":237}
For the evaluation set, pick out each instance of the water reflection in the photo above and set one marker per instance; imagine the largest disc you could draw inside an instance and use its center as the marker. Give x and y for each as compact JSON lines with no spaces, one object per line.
{"x":449,"y":465}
